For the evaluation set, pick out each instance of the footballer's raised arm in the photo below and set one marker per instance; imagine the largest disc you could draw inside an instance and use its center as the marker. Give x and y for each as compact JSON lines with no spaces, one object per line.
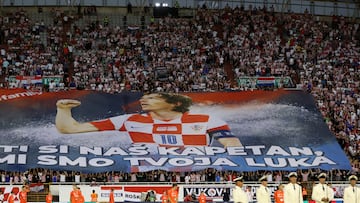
{"x":64,"y":121}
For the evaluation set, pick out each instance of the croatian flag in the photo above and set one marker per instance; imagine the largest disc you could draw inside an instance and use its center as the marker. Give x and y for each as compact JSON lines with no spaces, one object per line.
{"x":27,"y":80}
{"x":265,"y":81}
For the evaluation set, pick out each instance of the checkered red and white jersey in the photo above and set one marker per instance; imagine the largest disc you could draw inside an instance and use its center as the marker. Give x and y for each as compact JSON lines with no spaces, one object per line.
{"x":189,"y":129}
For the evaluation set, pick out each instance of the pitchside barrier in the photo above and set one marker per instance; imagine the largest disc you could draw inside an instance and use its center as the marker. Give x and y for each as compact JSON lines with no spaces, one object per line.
{"x":136,"y":192}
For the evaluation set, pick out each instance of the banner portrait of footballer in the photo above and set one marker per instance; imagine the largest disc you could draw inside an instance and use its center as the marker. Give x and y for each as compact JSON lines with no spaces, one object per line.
{"x":166,"y":121}
{"x":94,"y":131}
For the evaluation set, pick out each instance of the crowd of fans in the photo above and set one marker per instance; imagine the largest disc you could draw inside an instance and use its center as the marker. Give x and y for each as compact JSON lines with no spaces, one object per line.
{"x":322,"y":55}
{"x":41,"y":175}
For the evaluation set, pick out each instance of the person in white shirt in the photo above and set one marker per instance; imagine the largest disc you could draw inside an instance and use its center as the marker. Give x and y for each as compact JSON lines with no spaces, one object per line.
{"x":249,"y":193}
{"x":187,"y":178}
{"x":239,"y":195}
{"x":321,"y":192}
{"x":352,"y":192}
{"x":62,"y":177}
{"x":292,"y":190}
{"x":263,"y":192}
{"x":77,"y":178}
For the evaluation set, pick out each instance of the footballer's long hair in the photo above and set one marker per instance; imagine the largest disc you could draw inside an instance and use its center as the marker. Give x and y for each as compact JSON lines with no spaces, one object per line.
{"x":182,"y":102}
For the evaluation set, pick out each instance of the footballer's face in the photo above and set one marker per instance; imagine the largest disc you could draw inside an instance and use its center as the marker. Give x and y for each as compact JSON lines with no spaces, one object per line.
{"x":154,"y":102}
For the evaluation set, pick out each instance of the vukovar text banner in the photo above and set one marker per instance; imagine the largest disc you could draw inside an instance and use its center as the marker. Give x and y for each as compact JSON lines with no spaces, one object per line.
{"x":267,"y":130}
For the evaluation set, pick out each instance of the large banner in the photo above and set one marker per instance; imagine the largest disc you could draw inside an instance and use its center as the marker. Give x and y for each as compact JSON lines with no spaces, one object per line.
{"x":94,"y":132}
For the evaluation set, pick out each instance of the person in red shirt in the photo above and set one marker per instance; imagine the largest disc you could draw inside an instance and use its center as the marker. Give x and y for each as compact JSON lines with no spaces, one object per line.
{"x":111,"y":196}
{"x":49,"y":197}
{"x":202,"y":197}
{"x":164,"y":198}
{"x":304,"y":192}
{"x":23,"y":194}
{"x":11,"y":198}
{"x":94,"y":196}
{"x":82,"y":198}
{"x":190,"y":198}
{"x":279,"y":194}
{"x":173,"y":194}
{"x":76,"y":196}
{"x":72,"y":194}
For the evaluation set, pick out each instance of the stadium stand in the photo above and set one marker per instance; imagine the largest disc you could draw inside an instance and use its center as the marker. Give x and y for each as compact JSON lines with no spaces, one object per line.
{"x":210,"y":52}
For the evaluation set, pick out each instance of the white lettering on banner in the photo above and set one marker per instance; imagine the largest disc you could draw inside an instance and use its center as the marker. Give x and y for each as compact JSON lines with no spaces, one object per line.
{"x":135,"y":161}
{"x":140,"y":155}
{"x":48,"y":149}
{"x":259,"y":150}
{"x":51,"y":149}
{"x":5,"y":97}
{"x":13,"y":149}
{"x":47,"y":160}
{"x":134,"y":150}
{"x":235,"y":151}
{"x":80,"y":161}
{"x":292,"y":162}
{"x":13,"y":159}
{"x":322,"y":160}
{"x":65,"y":161}
{"x":201,"y":151}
